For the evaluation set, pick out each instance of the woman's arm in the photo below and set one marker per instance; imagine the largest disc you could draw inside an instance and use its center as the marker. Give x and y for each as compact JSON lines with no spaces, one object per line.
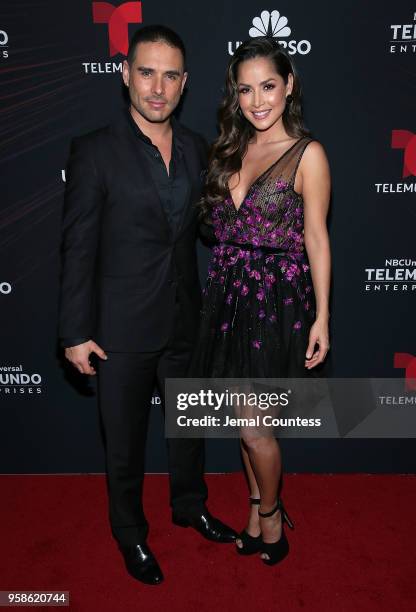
{"x":315,"y":188}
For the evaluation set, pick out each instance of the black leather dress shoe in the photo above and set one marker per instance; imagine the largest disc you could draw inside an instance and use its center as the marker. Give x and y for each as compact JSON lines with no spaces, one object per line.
{"x":208,"y":526}
{"x":141,"y":564}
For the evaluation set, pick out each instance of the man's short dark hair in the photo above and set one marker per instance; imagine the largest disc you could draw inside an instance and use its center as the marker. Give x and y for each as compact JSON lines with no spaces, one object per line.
{"x":155,"y":33}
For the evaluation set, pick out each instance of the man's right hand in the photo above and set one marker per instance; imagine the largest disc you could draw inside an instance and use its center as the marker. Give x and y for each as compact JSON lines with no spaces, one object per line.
{"x":79,"y":356}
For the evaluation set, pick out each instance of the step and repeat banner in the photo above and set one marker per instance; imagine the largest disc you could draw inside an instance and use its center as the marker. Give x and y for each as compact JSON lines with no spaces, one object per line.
{"x":60,"y":75}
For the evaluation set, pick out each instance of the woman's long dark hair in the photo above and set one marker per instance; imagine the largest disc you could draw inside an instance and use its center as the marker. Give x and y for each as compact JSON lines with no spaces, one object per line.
{"x":235,"y":131}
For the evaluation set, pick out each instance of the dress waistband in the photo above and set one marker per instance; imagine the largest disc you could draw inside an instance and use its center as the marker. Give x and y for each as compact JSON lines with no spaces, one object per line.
{"x":250,"y":247}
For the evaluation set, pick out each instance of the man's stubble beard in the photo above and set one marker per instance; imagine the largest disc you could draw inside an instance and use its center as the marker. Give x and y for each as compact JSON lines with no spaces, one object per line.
{"x":157,"y":118}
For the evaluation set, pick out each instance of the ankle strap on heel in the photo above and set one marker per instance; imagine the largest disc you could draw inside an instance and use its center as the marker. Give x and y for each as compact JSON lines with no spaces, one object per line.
{"x":254,"y":501}
{"x":275,"y":509}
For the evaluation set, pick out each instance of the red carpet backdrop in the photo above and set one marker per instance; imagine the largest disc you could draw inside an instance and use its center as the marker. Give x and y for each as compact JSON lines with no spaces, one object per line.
{"x":60,"y":66}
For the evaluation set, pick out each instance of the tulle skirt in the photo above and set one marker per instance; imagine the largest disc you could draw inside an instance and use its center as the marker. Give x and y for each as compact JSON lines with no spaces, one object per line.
{"x":257,"y":312}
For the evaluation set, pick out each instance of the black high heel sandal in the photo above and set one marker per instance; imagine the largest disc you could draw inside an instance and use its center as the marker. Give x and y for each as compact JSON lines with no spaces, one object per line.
{"x":250,"y":544}
{"x":277,"y":551}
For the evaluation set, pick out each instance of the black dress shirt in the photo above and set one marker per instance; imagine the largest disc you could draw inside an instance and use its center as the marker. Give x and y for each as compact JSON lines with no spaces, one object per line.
{"x":173,"y":188}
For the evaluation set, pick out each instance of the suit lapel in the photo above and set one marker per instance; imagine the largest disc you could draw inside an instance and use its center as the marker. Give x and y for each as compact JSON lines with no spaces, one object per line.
{"x":192,"y":164}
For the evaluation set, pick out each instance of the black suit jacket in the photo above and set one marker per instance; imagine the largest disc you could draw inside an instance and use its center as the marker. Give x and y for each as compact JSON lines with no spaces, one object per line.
{"x":122,"y":266}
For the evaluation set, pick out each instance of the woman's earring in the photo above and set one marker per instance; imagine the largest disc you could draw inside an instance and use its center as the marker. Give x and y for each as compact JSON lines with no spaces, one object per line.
{"x":289,"y":99}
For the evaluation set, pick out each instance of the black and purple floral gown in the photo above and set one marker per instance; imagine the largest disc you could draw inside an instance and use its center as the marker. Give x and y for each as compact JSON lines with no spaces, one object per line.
{"x":258,"y":302}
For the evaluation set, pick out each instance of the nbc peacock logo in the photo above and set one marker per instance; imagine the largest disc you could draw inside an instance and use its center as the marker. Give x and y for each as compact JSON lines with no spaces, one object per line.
{"x":270,"y":24}
{"x":274,"y":24}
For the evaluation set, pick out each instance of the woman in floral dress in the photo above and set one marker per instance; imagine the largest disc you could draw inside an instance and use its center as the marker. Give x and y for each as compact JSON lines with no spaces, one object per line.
{"x":265,"y":310}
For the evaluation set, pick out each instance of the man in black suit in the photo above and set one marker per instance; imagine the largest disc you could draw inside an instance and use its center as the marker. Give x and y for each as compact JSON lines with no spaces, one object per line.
{"x":130,"y":291}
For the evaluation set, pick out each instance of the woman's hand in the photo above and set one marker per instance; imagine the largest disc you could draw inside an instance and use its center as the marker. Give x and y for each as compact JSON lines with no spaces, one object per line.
{"x":318,"y":335}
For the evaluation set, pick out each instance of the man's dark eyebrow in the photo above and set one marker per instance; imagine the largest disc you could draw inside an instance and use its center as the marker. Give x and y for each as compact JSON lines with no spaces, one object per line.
{"x":262,"y":83}
{"x":170,"y":72}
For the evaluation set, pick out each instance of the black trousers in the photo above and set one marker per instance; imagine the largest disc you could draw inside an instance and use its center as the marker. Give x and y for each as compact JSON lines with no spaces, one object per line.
{"x":125,"y":387}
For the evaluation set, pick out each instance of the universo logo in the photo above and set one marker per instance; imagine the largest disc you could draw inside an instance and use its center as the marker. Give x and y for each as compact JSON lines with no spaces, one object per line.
{"x":117,"y":20}
{"x":276,"y":25}
{"x":4,"y":41}
{"x":13,"y":381}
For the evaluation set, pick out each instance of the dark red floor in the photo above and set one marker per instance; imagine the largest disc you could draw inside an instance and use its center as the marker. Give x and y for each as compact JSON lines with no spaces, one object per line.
{"x":353,"y":548}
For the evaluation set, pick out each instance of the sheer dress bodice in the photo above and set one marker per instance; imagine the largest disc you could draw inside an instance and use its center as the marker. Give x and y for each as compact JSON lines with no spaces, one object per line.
{"x":258,"y":300}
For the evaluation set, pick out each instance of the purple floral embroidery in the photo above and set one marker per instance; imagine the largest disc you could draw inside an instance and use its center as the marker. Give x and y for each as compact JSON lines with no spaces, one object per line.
{"x":269,"y":279}
{"x":256,"y":255}
{"x":280,"y":185}
{"x":291,"y":271}
{"x":244,"y":263}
